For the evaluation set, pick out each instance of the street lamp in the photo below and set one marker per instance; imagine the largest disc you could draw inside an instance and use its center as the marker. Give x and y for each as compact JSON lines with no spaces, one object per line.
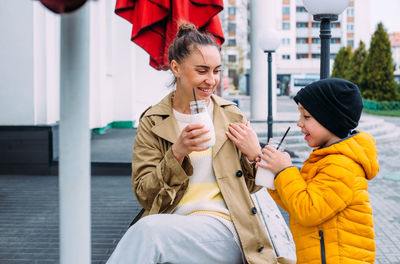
{"x":269,"y":42}
{"x":325,"y":11}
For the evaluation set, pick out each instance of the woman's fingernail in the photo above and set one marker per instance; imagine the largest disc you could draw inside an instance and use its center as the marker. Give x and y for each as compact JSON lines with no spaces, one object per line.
{"x":230,"y":124}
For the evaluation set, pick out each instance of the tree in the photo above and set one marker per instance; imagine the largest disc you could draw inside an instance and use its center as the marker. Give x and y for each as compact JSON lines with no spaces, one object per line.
{"x":377,"y":72}
{"x":341,"y":63}
{"x":353,"y":71}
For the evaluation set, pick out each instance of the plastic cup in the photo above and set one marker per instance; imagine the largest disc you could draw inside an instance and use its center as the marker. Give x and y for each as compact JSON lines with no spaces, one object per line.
{"x":266,"y":177}
{"x":200,"y":115}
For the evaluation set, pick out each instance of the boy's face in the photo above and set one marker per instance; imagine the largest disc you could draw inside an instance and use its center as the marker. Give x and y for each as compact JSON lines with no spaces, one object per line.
{"x":316,"y":135}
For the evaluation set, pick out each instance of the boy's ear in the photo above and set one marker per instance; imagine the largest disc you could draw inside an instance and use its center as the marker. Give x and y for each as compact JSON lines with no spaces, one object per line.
{"x":175,"y":68}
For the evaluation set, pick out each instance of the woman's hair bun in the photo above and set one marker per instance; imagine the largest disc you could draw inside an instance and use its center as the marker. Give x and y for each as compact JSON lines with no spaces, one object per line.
{"x":185,"y":28}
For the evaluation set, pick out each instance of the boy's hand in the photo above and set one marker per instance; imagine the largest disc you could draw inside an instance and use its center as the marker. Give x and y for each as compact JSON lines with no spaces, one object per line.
{"x":245,"y":139}
{"x":275,"y":160}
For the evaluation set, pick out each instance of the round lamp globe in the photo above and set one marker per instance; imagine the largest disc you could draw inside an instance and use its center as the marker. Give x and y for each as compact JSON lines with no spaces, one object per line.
{"x":331,"y":7}
{"x":270,"y":40}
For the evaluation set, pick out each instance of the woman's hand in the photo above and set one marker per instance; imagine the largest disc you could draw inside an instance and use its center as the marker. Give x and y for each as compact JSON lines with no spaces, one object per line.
{"x":245,"y":139}
{"x":188,"y":141}
{"x":275,"y":160}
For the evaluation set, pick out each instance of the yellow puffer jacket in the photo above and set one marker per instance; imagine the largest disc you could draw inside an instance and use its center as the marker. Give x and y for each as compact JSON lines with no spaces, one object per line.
{"x":328,"y":202}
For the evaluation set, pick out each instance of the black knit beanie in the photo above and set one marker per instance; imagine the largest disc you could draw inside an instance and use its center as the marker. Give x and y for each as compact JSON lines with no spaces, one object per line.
{"x":334,"y":103}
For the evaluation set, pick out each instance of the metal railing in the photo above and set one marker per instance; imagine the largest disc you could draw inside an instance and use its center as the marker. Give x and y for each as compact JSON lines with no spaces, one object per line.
{"x":382,"y":107}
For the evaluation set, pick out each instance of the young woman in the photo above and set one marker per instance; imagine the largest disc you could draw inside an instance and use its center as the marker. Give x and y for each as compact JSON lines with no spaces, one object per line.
{"x":197,"y":200}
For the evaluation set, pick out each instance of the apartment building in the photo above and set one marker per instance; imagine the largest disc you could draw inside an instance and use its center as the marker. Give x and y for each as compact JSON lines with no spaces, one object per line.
{"x":300,"y":48}
{"x":299,"y":52}
{"x":236,"y":49}
{"x":395,"y":44}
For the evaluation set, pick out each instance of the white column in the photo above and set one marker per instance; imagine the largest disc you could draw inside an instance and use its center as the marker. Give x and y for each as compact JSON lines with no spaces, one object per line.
{"x":16,"y":67}
{"x":46,"y":65}
{"x":52,"y":67}
{"x":39,"y":63}
{"x":123,"y":76}
{"x":262,"y":17}
{"x":74,"y":174}
{"x":259,"y":68}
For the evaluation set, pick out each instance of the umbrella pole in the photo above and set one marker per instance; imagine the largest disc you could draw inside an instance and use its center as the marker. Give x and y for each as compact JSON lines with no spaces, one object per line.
{"x":74,"y":166}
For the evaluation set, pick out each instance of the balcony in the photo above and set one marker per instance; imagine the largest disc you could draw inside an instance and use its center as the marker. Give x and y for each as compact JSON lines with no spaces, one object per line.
{"x":302,"y":48}
{"x":301,"y":17}
{"x":302,"y":32}
{"x":316,"y":48}
{"x":335,"y":48}
{"x":336,"y":32}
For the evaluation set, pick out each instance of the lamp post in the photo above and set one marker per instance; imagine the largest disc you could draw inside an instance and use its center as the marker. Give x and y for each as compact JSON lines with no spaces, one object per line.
{"x":325,"y":11}
{"x":269,"y":42}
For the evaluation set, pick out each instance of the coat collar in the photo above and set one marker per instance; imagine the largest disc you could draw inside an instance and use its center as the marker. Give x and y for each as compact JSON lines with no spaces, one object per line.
{"x":168,"y":129}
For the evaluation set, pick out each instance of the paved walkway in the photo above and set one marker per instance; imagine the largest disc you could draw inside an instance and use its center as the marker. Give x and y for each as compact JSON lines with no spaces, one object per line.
{"x":29,"y":211}
{"x":29,"y":217}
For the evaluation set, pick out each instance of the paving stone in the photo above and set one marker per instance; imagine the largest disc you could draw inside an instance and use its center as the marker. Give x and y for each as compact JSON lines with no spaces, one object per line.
{"x":29,"y":218}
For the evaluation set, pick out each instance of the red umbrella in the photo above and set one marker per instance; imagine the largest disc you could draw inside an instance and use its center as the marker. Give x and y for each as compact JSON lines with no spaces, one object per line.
{"x":155,"y":23}
{"x":63,"y":6}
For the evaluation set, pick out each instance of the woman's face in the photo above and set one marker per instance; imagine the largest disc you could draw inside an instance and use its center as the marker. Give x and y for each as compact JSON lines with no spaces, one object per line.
{"x":200,"y":70}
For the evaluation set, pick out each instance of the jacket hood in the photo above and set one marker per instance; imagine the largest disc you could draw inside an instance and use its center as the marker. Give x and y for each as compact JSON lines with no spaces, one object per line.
{"x":361,"y":148}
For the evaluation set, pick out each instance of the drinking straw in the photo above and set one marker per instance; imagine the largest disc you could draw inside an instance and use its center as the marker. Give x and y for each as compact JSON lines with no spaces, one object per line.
{"x":197,"y":106}
{"x":284,"y":135}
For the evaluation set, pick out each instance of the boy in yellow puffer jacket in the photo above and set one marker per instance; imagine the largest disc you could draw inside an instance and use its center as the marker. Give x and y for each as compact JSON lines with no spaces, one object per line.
{"x":327,"y":200}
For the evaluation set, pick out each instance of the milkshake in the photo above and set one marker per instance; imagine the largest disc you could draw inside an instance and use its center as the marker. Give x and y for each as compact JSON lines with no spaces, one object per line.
{"x":265,"y":177}
{"x":200,"y":115}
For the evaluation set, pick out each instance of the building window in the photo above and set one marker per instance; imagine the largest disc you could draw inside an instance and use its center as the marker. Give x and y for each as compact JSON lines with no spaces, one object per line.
{"x":233,"y":77}
{"x":335,"y":40}
{"x":286,"y":10}
{"x":286,"y":41}
{"x":231,"y":10}
{"x":301,"y":25}
{"x":316,"y":25}
{"x":316,"y":56}
{"x":316,"y":41}
{"x":232,"y":58}
{"x":231,"y":42}
{"x":301,"y":56}
{"x":301,"y":41}
{"x":350,"y":27}
{"x":350,"y":11}
{"x":285,"y":57}
{"x":301,"y":9}
{"x":285,"y":25}
{"x":335,"y":25}
{"x":350,"y":43}
{"x":231,"y":26}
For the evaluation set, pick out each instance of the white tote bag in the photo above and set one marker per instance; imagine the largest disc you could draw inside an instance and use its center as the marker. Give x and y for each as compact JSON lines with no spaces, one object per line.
{"x":279,"y":233}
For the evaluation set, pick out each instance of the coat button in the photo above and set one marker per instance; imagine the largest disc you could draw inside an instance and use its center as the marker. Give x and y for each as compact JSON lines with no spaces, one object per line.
{"x":260,"y":248}
{"x":254,"y":210}
{"x":239,"y":173}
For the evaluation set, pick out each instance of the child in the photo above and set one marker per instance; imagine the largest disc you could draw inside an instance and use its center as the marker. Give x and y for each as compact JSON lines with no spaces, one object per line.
{"x":327,"y":200}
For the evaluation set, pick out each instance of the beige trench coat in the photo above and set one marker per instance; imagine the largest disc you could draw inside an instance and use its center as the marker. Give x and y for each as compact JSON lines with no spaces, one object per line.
{"x":159,"y":181}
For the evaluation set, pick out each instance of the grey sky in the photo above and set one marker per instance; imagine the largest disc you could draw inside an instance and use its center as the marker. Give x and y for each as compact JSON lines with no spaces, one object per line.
{"x":387,"y":11}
